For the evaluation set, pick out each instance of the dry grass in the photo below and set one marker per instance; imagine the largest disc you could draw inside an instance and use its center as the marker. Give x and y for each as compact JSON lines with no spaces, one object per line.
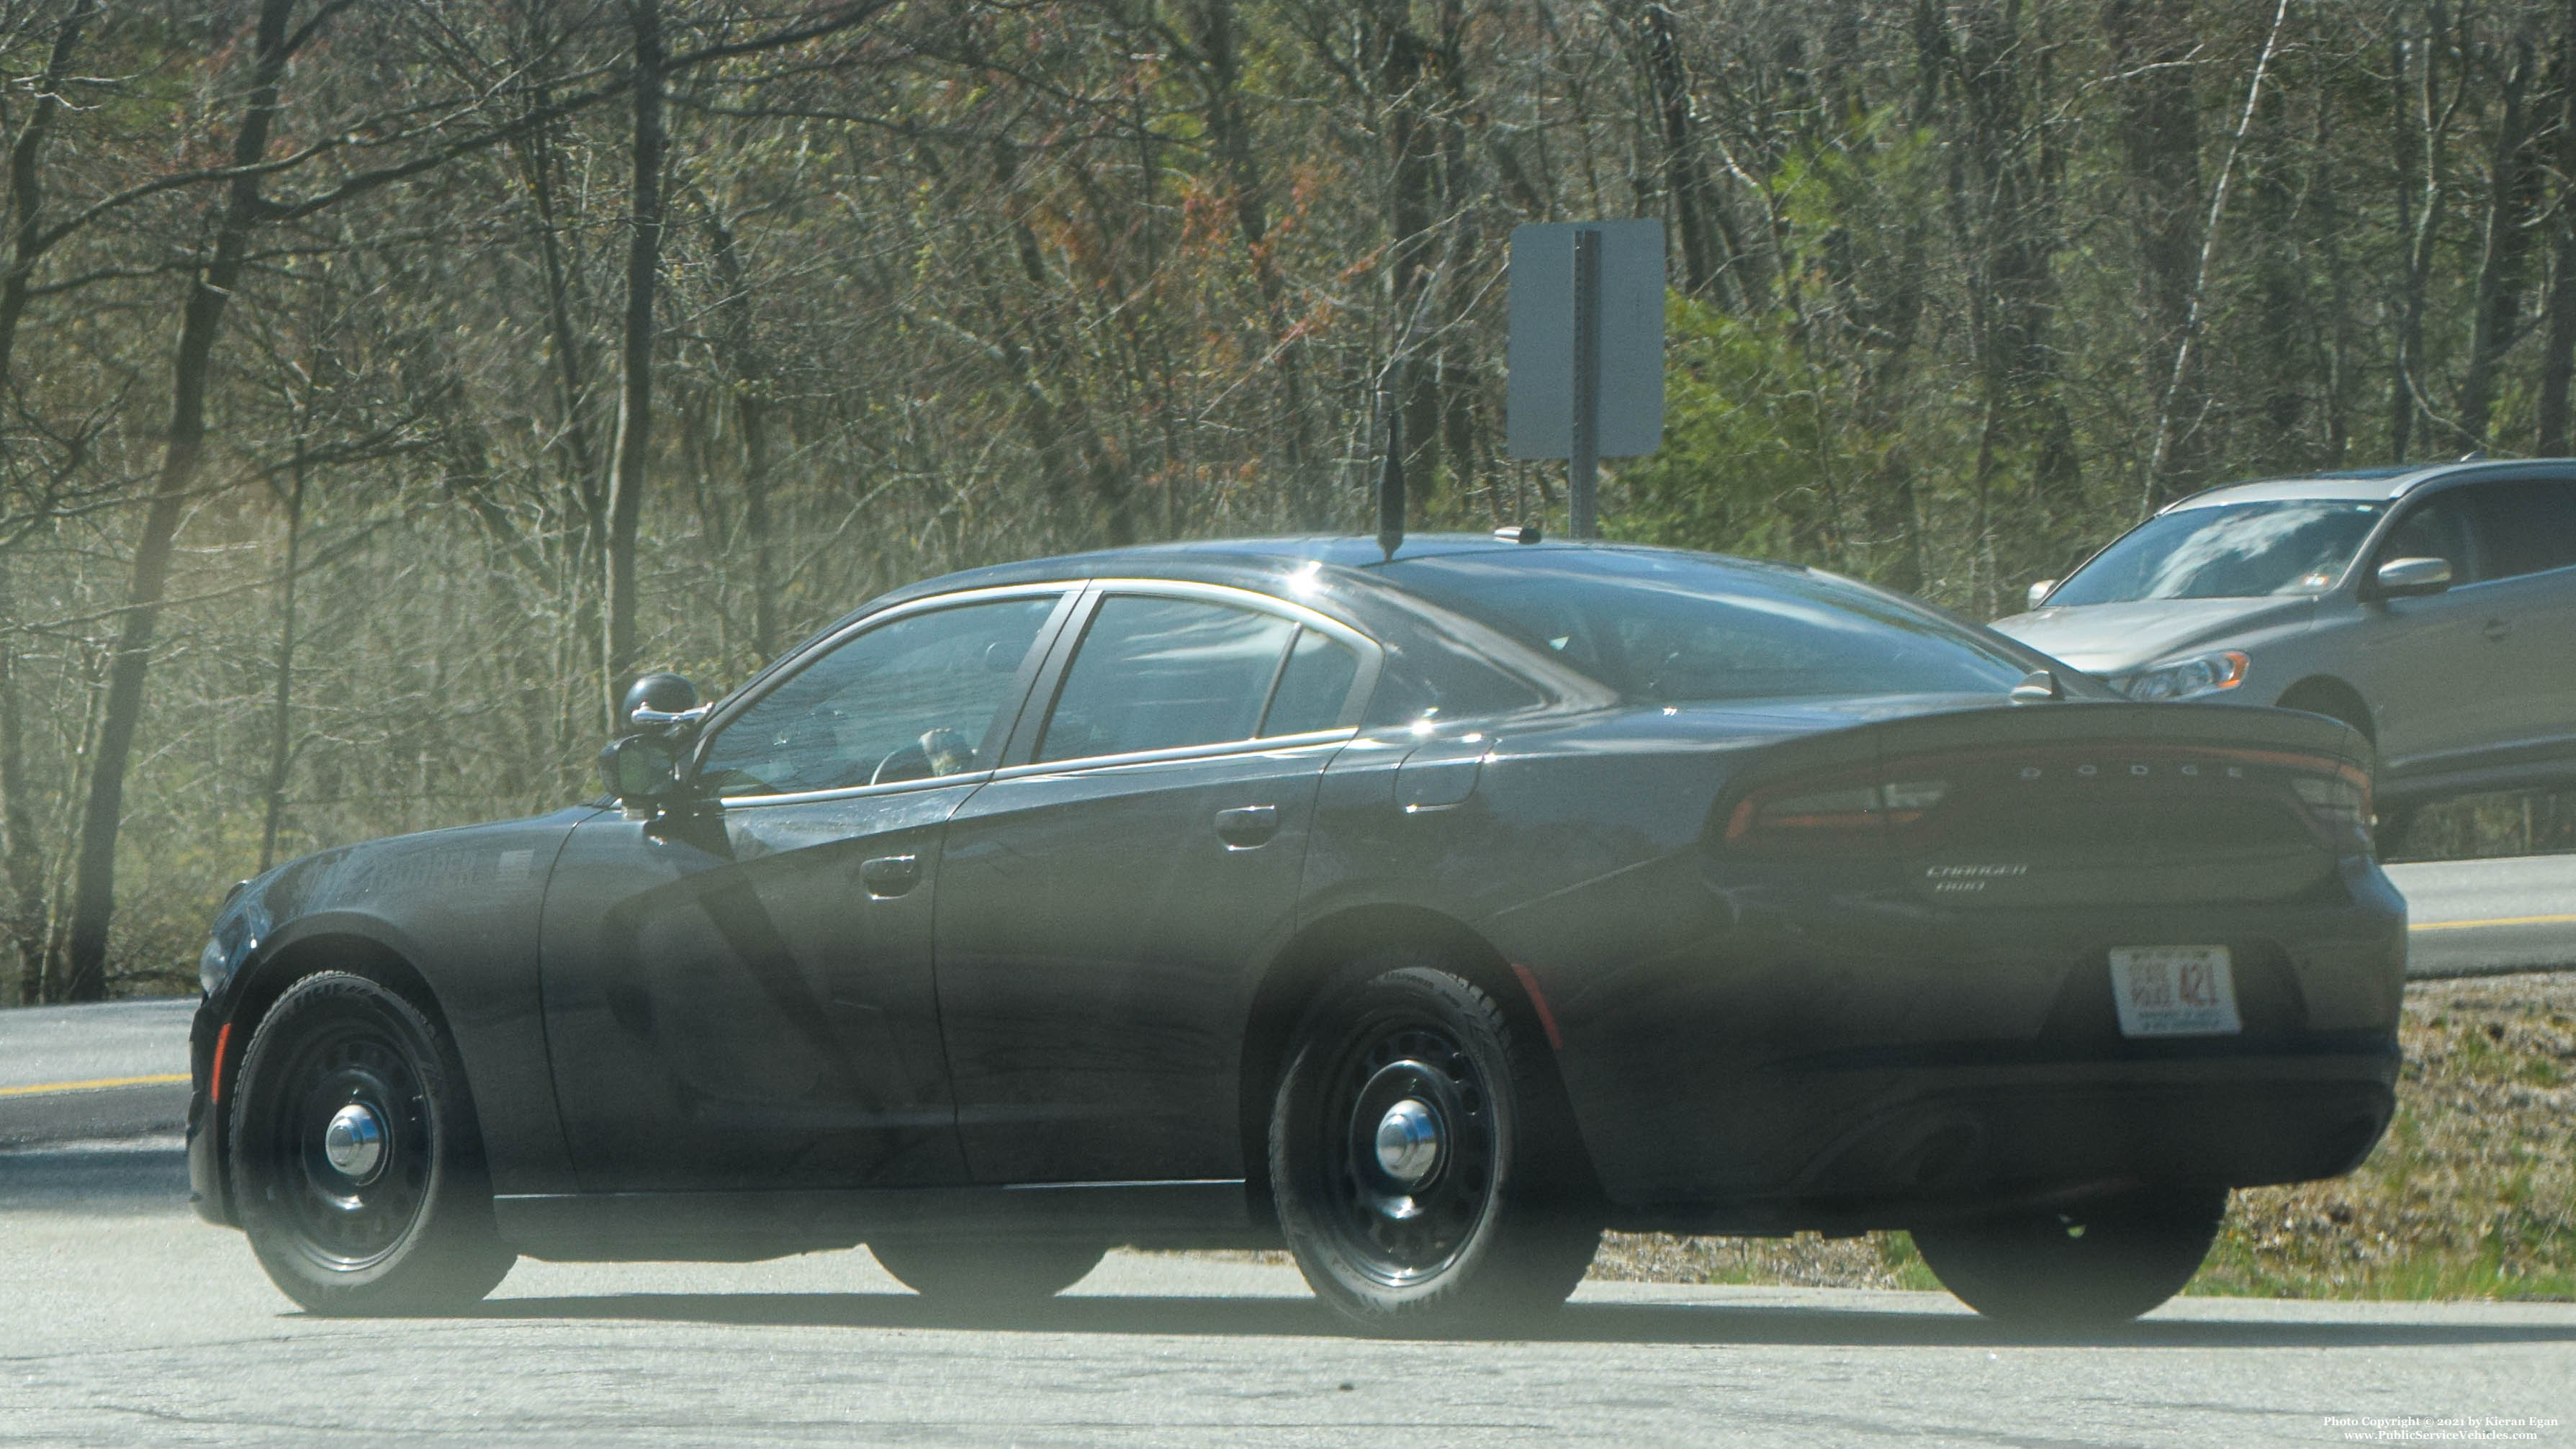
{"x":2471,"y":1195}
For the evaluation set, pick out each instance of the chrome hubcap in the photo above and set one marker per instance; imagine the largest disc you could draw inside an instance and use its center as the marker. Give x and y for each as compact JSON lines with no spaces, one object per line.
{"x":1412,"y":1151}
{"x":354,"y":1142}
{"x":1408,"y":1141}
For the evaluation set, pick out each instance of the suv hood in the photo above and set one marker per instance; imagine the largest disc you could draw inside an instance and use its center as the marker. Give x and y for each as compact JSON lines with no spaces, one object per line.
{"x":2108,"y":639}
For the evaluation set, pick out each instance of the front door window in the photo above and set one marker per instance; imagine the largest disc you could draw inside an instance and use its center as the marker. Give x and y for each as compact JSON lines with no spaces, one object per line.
{"x":913,"y":699}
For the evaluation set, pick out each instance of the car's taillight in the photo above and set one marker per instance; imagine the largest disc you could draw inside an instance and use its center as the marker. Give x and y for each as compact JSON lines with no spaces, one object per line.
{"x":2339,"y":803}
{"x":1825,"y":812}
{"x":1912,"y":801}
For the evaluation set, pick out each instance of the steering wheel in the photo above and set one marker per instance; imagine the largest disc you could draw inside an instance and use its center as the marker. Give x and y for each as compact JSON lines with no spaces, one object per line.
{"x":939,"y":751}
{"x":911,"y":762}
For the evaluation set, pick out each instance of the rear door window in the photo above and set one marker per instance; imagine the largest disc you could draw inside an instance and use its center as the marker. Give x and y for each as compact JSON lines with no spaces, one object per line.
{"x":2525,"y":526}
{"x":1158,"y":673}
{"x":1313,"y":686}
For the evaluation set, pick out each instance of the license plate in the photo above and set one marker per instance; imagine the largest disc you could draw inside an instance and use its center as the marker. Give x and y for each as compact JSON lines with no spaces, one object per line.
{"x":2174,"y":991}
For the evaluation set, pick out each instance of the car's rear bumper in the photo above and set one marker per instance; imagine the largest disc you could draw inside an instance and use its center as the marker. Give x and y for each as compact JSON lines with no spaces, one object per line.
{"x":1851,"y":1060}
{"x":1914,"y":1142}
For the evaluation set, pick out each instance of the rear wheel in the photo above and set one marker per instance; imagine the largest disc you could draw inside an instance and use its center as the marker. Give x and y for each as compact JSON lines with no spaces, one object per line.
{"x":980,"y":1275}
{"x":2087,"y":1266}
{"x":1425,"y":1178}
{"x":356,"y":1162}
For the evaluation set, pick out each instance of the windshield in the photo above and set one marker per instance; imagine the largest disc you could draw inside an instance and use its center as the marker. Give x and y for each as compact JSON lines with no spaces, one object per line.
{"x":2230,"y":551}
{"x":1668,"y":627}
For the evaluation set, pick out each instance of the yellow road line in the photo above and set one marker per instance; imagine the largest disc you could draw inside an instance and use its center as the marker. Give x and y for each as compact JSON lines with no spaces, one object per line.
{"x":2499,"y":921}
{"x":164,"y":1079}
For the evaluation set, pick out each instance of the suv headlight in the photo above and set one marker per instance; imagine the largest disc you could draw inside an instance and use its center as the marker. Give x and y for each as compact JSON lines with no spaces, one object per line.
{"x":2185,"y":678}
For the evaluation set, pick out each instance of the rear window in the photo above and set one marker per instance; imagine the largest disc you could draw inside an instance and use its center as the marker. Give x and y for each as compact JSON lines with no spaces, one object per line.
{"x":1673,"y":627}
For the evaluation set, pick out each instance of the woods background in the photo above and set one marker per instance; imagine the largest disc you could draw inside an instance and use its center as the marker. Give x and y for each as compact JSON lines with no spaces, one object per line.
{"x":381,"y":381}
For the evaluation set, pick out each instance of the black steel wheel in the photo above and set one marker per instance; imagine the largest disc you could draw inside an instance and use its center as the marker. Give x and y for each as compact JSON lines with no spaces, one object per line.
{"x":356,"y":1163}
{"x":2091,"y":1265}
{"x":987,"y":1276}
{"x":1425,"y":1174}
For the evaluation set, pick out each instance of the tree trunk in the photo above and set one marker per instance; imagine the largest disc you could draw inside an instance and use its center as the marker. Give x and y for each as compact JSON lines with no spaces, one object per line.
{"x":1218,"y":46}
{"x":2422,"y":113}
{"x":2015,"y":291}
{"x":183,"y":448}
{"x":2153,"y":45}
{"x":2558,"y":355}
{"x":751,"y":408}
{"x":2513,"y":193}
{"x":572,"y":387}
{"x":23,"y":859}
{"x":1403,"y":78}
{"x":1060,"y":421}
{"x":281,"y":724}
{"x":1685,"y":181}
{"x":27,"y":186}
{"x":2280,"y":352}
{"x":2342,"y":329}
{"x":635,"y":406}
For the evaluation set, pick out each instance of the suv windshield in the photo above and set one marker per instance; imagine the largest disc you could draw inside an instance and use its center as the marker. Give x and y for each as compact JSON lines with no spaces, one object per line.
{"x":2227,"y":551}
{"x":1667,"y":627}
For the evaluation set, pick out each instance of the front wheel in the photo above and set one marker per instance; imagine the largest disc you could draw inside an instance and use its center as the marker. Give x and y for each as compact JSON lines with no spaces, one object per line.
{"x":1425,"y":1174}
{"x":356,"y":1162}
{"x":986,"y":1276}
{"x":2091,"y":1265}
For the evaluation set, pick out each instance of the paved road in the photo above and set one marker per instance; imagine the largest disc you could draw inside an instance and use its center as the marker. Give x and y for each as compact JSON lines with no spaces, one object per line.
{"x":128,"y":1323}
{"x":111,"y":1070}
{"x":2483,"y":917}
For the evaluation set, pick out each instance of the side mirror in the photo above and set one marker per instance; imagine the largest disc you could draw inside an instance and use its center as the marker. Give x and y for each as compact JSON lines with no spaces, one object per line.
{"x":639,"y":770}
{"x":660,"y":701}
{"x":2040,"y":686}
{"x":2406,"y":578}
{"x":2038,"y":594}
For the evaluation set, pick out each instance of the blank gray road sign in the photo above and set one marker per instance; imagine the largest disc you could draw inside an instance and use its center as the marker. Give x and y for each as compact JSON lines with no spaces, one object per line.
{"x":1538,"y":418}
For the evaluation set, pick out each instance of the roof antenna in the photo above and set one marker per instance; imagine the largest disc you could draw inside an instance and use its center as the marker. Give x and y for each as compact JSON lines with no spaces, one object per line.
{"x":1390,"y":479}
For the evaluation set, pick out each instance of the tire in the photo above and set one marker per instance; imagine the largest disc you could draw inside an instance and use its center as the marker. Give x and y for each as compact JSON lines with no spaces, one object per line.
{"x":2089,"y":1266}
{"x":1426,"y":1175}
{"x":981,"y":1276}
{"x":402,"y":1226}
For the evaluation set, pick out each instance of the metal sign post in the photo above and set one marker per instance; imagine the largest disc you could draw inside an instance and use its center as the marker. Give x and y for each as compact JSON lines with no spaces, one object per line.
{"x":1587,"y":349}
{"x":1583,"y":446}
{"x":1390,"y":478}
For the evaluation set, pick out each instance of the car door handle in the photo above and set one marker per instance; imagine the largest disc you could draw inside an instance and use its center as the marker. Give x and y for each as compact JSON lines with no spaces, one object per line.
{"x":890,"y":875}
{"x":2495,"y":630}
{"x":1247,"y":826}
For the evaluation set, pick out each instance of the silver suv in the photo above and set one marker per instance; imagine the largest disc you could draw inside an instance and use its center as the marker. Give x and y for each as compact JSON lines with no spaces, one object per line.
{"x":2431,"y":608}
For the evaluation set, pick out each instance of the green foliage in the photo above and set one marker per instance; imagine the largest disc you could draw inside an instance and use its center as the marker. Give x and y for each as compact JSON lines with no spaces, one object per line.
{"x":1757,"y":441}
